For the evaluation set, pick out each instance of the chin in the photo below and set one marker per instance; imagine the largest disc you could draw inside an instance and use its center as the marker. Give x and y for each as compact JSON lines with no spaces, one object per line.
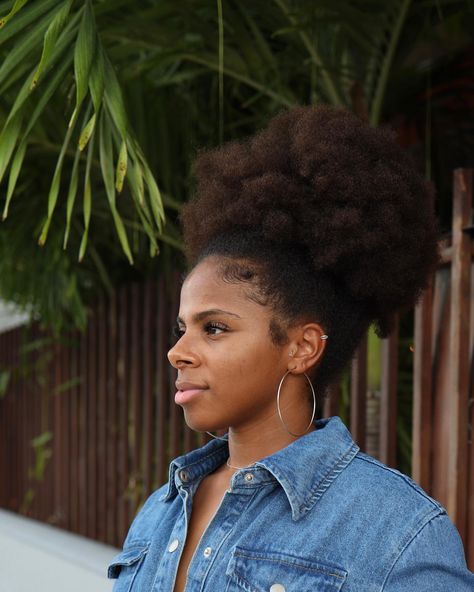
{"x":203,"y":424}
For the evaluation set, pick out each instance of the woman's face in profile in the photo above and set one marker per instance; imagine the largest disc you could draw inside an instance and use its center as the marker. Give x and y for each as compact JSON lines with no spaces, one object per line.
{"x":228,"y":366}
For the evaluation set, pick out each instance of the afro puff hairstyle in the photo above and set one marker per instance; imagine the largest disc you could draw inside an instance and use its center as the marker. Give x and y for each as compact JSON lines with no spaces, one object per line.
{"x":325,"y":218}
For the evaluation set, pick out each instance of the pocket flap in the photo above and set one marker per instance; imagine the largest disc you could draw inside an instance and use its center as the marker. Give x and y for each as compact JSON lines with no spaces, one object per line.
{"x":127,"y":557}
{"x":259,"y":571}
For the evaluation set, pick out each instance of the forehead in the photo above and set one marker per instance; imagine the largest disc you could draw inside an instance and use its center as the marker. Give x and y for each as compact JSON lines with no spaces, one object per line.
{"x":204,"y":288}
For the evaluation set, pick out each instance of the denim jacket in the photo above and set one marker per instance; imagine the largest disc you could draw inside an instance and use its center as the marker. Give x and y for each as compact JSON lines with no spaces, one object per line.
{"x":316,"y":516}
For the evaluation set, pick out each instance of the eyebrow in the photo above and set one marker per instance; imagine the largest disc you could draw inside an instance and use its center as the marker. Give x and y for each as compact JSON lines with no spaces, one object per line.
{"x":200,"y":316}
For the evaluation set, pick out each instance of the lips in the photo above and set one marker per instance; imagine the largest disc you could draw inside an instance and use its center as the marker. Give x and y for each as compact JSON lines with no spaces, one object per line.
{"x":187,"y":391}
{"x":182,"y":385}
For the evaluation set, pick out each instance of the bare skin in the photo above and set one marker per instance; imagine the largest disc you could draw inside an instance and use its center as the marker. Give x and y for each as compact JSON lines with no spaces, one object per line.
{"x":208,"y":496}
{"x":226,"y":357}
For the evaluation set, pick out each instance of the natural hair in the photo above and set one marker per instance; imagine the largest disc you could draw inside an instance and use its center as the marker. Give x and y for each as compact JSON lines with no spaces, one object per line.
{"x":324,"y":217}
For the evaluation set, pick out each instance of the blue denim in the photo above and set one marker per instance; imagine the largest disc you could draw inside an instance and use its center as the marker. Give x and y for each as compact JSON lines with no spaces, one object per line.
{"x":316,"y":516}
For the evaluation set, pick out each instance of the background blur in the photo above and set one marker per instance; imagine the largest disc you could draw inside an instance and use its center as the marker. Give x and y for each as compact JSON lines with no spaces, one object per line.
{"x":103,"y":106}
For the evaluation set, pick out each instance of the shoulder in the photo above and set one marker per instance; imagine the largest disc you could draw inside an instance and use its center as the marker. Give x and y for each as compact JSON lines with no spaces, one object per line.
{"x":411,"y":532}
{"x":384,"y":503}
{"x":376,"y":478}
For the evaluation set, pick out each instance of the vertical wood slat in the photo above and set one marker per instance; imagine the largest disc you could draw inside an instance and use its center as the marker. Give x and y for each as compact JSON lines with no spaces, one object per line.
{"x":112,"y":426}
{"x":101,"y":455}
{"x":459,"y":350}
{"x":470,"y":485}
{"x":122,"y":393}
{"x":91,"y":429}
{"x":423,"y":391}
{"x":162,"y":423}
{"x":359,"y":394}
{"x":74,"y":409}
{"x":135,"y":410}
{"x":82,"y":464}
{"x":58,"y":482}
{"x":147,"y":391}
{"x":65,"y":433}
{"x":388,"y":398}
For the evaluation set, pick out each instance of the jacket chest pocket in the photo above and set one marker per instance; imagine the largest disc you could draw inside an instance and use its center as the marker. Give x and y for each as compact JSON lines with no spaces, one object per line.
{"x":255,"y":571}
{"x":124,"y":566}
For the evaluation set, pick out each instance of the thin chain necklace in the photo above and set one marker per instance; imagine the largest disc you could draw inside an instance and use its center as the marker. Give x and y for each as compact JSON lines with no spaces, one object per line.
{"x":238,"y":468}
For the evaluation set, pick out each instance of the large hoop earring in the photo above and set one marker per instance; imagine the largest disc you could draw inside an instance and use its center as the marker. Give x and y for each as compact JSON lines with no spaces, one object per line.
{"x":219,"y":437}
{"x":278,"y":404}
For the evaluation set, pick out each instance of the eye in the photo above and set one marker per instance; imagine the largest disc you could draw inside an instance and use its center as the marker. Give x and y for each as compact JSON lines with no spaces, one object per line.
{"x":213,"y":328}
{"x":177,"y":331}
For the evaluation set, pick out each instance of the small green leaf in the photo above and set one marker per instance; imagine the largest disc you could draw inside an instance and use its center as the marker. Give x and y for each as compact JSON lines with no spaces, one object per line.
{"x":20,"y":51}
{"x":42,"y":439}
{"x":17,"y":6}
{"x":84,"y":55}
{"x":29,"y":15}
{"x":96,"y":79}
{"x":21,"y":97}
{"x":5,"y":376}
{"x":87,"y":132}
{"x":8,"y":139}
{"x":55,"y":28}
{"x":106,"y":158}
{"x":114,"y":99}
{"x":87,"y":202}
{"x":48,"y":92}
{"x":121,"y":167}
{"x":107,"y":166}
{"x":71,"y":196}
{"x":155,"y":198}
{"x":14,"y":172}
{"x":122,"y":235}
{"x":54,"y":189}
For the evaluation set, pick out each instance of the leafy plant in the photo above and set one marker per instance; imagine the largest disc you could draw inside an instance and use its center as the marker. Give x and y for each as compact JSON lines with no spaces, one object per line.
{"x":103,"y":102}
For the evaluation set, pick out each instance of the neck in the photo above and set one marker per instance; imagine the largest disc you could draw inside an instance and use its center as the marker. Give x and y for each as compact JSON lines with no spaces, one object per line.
{"x":248,"y":445}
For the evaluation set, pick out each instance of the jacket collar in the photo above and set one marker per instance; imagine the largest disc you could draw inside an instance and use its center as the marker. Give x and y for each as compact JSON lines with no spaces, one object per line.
{"x":305,"y":468}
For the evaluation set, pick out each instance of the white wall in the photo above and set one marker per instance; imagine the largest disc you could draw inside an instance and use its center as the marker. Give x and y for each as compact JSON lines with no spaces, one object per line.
{"x":35,"y":556}
{"x":10,"y":317}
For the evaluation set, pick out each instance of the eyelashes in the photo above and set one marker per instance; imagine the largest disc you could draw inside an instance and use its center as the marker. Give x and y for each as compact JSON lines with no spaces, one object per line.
{"x":177,"y":331}
{"x":211,"y":328}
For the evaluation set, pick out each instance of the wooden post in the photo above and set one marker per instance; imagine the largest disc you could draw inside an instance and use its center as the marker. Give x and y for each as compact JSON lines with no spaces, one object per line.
{"x":331,"y":402}
{"x":423,"y":390}
{"x":459,"y":351}
{"x":388,"y":398}
{"x":359,"y":394}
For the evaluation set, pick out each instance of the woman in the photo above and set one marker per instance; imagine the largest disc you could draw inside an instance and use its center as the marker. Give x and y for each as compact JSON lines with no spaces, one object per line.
{"x":299,"y":239}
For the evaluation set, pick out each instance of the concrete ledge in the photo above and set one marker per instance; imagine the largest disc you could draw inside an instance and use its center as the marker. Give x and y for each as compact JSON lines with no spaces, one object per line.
{"x":36,"y":556}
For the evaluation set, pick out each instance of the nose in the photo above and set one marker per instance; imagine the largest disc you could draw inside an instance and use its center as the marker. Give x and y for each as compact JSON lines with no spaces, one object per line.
{"x":181,"y":356}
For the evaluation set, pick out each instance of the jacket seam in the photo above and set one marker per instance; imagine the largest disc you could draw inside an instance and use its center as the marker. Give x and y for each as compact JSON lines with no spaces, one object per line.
{"x":404,"y":478}
{"x":426,"y":520}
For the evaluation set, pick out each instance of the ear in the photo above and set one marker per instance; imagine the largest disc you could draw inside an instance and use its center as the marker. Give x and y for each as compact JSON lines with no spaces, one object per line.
{"x":306,"y":347}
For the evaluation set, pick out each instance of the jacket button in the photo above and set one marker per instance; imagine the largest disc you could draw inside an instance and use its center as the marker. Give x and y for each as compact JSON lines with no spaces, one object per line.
{"x":173,"y":545}
{"x":183,"y":476}
{"x":277,"y":588}
{"x":207,"y":551}
{"x":249,"y":477}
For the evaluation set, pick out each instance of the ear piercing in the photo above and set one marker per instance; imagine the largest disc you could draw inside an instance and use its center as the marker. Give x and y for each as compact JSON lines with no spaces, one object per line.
{"x":323,"y":337}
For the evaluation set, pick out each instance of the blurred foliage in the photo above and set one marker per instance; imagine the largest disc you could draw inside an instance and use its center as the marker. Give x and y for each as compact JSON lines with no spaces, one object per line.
{"x":103,"y":102}
{"x":36,"y":473}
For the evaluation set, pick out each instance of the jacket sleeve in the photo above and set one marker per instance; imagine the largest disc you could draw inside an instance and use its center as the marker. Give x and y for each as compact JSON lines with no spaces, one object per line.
{"x":433,"y":561}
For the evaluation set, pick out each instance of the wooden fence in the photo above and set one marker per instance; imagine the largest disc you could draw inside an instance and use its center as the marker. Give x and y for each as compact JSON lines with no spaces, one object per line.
{"x":88,"y":425}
